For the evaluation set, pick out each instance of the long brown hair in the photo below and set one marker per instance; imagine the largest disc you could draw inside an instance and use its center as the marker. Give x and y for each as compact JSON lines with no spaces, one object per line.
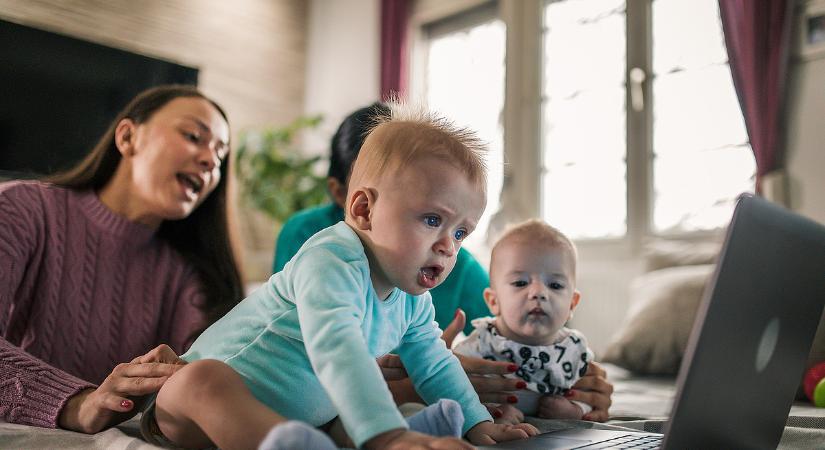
{"x":202,"y":238}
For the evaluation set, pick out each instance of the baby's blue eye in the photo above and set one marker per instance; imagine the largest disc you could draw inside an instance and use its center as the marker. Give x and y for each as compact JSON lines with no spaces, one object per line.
{"x":432,"y":221}
{"x":556,"y":286}
{"x":460,"y":234}
{"x":519,"y":283}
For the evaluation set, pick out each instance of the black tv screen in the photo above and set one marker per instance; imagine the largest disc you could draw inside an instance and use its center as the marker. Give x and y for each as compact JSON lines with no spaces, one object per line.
{"x":58,"y":95}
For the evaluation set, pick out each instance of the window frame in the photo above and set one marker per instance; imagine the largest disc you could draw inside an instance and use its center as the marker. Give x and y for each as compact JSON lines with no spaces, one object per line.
{"x":522,"y":117}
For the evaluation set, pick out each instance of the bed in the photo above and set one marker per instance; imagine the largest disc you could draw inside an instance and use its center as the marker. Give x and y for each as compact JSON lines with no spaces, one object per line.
{"x":639,"y":403}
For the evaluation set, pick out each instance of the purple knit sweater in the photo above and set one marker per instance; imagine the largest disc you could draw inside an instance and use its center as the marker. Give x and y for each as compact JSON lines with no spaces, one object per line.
{"x":81,"y":290}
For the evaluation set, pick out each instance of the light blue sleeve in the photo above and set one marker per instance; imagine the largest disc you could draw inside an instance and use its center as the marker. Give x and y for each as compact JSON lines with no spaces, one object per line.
{"x":331,"y":293}
{"x":436,"y":373}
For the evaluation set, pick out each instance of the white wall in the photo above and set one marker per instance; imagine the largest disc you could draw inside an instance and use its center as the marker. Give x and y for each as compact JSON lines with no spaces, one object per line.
{"x":806,"y":138}
{"x":342,"y":63}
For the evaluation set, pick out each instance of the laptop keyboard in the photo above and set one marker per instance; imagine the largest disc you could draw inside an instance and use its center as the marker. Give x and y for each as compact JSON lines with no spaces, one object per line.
{"x":627,"y":441}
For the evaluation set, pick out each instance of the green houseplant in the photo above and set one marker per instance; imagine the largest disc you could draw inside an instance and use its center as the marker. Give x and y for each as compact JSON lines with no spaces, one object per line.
{"x":273,"y":175}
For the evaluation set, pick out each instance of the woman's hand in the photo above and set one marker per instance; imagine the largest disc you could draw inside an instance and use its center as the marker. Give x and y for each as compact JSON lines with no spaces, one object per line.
{"x":92,"y":410}
{"x":489,"y":389}
{"x":593,"y":389}
{"x":391,"y":367}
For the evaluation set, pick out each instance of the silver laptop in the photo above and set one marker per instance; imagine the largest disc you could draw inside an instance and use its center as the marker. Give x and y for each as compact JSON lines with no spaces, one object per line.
{"x":750,"y":340}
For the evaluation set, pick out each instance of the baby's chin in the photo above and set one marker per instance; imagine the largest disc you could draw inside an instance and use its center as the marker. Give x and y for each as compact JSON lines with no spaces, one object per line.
{"x":531,"y":335}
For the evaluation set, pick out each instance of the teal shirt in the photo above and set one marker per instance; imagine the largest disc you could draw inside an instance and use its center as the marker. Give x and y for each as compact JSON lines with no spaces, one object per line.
{"x":306,"y":342}
{"x":463,"y":288}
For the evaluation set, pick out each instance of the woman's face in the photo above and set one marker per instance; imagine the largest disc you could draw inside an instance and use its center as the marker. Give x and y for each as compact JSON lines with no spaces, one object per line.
{"x":175,"y":157}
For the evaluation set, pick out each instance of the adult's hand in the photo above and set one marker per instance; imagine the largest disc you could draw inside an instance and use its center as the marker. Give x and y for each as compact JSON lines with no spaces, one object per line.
{"x":593,"y":389}
{"x":490,"y":389}
{"x":391,"y":367}
{"x":92,"y":410}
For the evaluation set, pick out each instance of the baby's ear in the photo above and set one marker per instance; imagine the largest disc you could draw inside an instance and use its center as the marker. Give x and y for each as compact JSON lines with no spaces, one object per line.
{"x":491,"y":300}
{"x":573,"y":303}
{"x":359,"y":207}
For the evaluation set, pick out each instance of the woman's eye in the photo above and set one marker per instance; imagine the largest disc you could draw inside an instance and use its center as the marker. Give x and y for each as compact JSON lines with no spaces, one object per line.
{"x":460,"y":234}
{"x":192,"y":137}
{"x":432,"y":221}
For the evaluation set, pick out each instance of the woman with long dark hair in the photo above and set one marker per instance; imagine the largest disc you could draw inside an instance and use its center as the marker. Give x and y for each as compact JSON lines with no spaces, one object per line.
{"x":126,"y":251}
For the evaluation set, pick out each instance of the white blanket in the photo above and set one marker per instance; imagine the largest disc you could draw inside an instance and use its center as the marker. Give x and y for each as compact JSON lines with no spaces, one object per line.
{"x":641,"y":403}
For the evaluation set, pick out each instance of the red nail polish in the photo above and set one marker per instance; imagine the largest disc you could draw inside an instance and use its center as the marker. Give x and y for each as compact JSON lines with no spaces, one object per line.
{"x":587,"y":417}
{"x":569,"y":393}
{"x":497,"y":414}
{"x":456,"y":313}
{"x":512,"y":399}
{"x":126,"y":403}
{"x":512,"y":368}
{"x":521,"y":385}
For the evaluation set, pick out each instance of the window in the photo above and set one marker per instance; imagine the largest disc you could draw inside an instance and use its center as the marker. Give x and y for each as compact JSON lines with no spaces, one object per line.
{"x":464,"y":81}
{"x":661,"y":150}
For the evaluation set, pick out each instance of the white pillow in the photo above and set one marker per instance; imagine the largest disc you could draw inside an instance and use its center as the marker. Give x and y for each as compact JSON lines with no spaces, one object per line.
{"x":655,"y":332}
{"x":663,"y":253}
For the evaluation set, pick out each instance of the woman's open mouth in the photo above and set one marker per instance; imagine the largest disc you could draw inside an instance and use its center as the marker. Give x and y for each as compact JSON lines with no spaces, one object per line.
{"x":192,"y":184}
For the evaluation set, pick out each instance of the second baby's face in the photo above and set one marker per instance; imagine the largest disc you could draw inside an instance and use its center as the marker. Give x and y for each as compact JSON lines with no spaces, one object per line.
{"x":532,"y":291}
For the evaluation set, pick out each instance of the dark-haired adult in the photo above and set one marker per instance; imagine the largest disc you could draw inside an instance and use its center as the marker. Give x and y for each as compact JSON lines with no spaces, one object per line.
{"x":457,"y":301}
{"x":126,"y":252}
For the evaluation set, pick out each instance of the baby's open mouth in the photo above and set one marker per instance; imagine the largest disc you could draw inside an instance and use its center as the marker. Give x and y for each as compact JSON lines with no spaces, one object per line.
{"x":537,"y":312}
{"x":428,"y":276}
{"x":431,"y":272}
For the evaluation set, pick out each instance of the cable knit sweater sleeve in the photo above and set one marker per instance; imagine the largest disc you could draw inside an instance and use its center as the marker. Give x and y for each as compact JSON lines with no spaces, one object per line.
{"x":31,"y":392}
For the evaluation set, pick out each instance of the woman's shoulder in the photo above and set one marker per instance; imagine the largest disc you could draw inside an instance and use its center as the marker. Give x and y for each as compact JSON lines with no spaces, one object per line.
{"x":310,"y":221}
{"x":31,"y":196}
{"x":17,"y":189}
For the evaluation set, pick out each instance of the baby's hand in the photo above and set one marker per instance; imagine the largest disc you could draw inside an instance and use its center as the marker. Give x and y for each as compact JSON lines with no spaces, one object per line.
{"x":488,"y":433}
{"x":558,"y":407}
{"x":399,"y":440}
{"x":505,"y":413}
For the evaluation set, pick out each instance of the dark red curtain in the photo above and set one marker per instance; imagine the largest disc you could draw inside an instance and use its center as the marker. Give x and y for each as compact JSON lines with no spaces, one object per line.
{"x":394,"y":22}
{"x":757,"y":35}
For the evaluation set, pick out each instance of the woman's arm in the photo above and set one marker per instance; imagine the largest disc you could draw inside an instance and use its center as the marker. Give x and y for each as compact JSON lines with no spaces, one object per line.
{"x":33,"y":392}
{"x":489,"y":389}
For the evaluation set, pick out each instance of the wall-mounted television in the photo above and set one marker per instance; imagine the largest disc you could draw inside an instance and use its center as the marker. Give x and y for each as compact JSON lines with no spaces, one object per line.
{"x":59,"y":93}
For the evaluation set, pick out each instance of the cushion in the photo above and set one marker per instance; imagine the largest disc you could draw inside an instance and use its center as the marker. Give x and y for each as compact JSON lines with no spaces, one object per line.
{"x":662,"y":307}
{"x":662,"y":253}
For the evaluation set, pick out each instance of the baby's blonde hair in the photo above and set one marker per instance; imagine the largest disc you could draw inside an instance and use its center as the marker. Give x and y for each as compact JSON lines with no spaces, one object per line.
{"x":538,"y":232}
{"x":412,"y":132}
